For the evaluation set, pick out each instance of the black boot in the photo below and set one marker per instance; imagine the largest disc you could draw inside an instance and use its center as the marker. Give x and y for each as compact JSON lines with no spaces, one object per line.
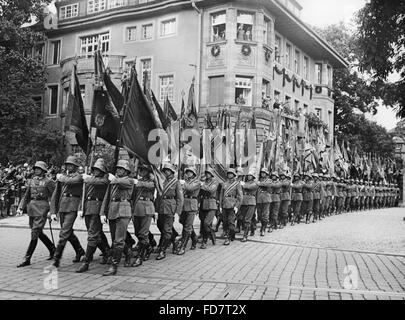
{"x":78,"y":248}
{"x":116,"y":258}
{"x":139,"y":258}
{"x":87,"y":259}
{"x":204,"y":241}
{"x":263,"y":230}
{"x":213,"y":237}
{"x":184,"y":243}
{"x":128,"y":256}
{"x":105,"y":249}
{"x":28,"y":255}
{"x":227,"y":239}
{"x":238,"y":225}
{"x":162,"y":252}
{"x":159,"y":247}
{"x":58,"y":255}
{"x":193,"y":241}
{"x":48,"y":244}
{"x":245,"y":236}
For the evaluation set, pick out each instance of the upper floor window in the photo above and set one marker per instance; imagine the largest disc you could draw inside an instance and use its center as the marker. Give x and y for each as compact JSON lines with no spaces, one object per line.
{"x":115,"y":3}
{"x":55,"y":47}
{"x":288,"y":55}
{"x":243,"y":91}
{"x":166,"y":87}
{"x":266,"y":32}
{"x":95,"y":5}
{"x":318,"y":113}
{"x":318,"y":73}
{"x":297,"y":62}
{"x":89,"y":44}
{"x":306,"y":68}
{"x":131,"y":34}
{"x":330,"y":76}
{"x":218,"y":24}
{"x":245,"y":26}
{"x":69,"y":11}
{"x":147,"y":31}
{"x":277,"y":49}
{"x":168,"y":27}
{"x":146,"y":72}
{"x":53,"y":99}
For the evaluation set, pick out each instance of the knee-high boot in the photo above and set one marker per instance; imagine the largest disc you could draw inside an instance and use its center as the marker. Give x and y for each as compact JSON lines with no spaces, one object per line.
{"x":87,"y":259}
{"x":28,"y":255}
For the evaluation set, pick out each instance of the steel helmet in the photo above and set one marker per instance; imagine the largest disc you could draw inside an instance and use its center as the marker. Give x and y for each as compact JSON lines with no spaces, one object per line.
{"x":124,"y":164}
{"x":41,"y":165}
{"x":100,"y":165}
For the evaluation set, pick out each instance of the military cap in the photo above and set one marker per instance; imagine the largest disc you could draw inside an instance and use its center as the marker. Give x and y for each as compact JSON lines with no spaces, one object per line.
{"x":124,"y":164}
{"x":264,"y":170}
{"x":170,"y":167}
{"x":100,"y":165}
{"x":41,"y":165}
{"x":73,"y":160}
{"x":232,"y":171}
{"x":191,"y":169}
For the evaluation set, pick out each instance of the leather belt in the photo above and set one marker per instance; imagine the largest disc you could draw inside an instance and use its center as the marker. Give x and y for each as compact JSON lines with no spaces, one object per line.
{"x":145,"y":199}
{"x":118,"y":200}
{"x":169,"y":198}
{"x":69,"y":195}
{"x":39,"y":199}
{"x":93,"y":199}
{"x":233,"y":197}
{"x":209,"y":198}
{"x":190,"y":197}
{"x":248,"y":194}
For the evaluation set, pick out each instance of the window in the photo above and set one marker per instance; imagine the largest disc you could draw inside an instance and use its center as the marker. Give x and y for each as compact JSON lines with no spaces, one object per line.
{"x":265,"y":94}
{"x":131,"y":34}
{"x":277,"y":49}
{"x":318,"y":113}
{"x":53,"y":99}
{"x":296,"y":105}
{"x":146,"y":72}
{"x":276,"y":96}
{"x":305,"y":108}
{"x":245,"y":26}
{"x":147,"y":31}
{"x":168,"y":27}
{"x":330,"y":76}
{"x":297,"y":62}
{"x":243,"y":91}
{"x":69,"y":11}
{"x":288,"y":56}
{"x":89,"y":44}
{"x":115,"y":3}
{"x":65,"y":101}
{"x":55,"y":45}
{"x":95,"y":5}
{"x":266,"y":32}
{"x":218,"y":22}
{"x":306,"y":68}
{"x":166,"y":87}
{"x":39,"y":52}
{"x":217,"y":90}
{"x":287,"y":101}
{"x":318,"y":73}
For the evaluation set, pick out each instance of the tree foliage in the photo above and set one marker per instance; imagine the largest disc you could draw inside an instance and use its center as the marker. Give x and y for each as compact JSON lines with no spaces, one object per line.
{"x":23,"y":133}
{"x":381,"y":47}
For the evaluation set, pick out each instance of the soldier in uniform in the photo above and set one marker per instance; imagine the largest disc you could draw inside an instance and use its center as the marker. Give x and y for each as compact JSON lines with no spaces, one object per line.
{"x":143,"y":212}
{"x":375,"y":194}
{"x":362,"y":195}
{"x":316,"y":197}
{"x":340,"y":196}
{"x":96,"y":187}
{"x":248,"y":202}
{"x":328,"y":194}
{"x":335,"y":194}
{"x":263,"y":200}
{"x":117,"y":210}
{"x":348,"y":194}
{"x":191,"y":189}
{"x":275,"y":200}
{"x":65,"y":202}
{"x":356,"y":194}
{"x":296,"y":198}
{"x":170,"y":203}
{"x":209,"y":206}
{"x":36,"y":198}
{"x":230,"y":201}
{"x":285,"y":198}
{"x":308,"y":197}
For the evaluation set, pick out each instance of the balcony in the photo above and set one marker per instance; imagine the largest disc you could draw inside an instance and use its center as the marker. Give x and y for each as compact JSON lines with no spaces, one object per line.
{"x":85,"y":64}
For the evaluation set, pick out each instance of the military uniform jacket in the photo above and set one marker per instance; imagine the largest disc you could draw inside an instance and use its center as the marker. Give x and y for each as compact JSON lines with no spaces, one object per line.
{"x":96,"y":187}
{"x":117,"y":201}
{"x":69,"y":192}
{"x":276,"y":191}
{"x":37,"y":196}
{"x":191,"y":191}
{"x":362,"y":191}
{"x":316,"y":191}
{"x":329,"y":190}
{"x":322,"y":192}
{"x":353,"y":191}
{"x":171,"y":200}
{"x":231,"y":194}
{"x":307,"y":191}
{"x":340,"y":187}
{"x":208,"y":194}
{"x":297,"y":191}
{"x":335,"y":191}
{"x":264,"y":191}
{"x":143,"y":196}
{"x":285,"y":191}
{"x":249,"y":193}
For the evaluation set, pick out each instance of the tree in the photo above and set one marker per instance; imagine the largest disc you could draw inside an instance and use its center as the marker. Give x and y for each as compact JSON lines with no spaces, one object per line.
{"x":23,"y":132}
{"x":381,"y":48}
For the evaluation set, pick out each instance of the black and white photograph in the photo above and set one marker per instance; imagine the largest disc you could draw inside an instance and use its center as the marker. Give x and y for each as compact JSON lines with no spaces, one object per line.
{"x":202,"y":156}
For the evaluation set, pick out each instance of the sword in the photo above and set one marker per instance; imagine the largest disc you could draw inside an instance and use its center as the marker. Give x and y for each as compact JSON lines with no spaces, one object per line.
{"x":50,"y":228}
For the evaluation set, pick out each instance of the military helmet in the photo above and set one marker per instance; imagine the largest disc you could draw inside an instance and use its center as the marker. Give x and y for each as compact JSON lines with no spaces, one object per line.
{"x":191,"y":169}
{"x":210,"y":171}
{"x":252,"y":174}
{"x":240,"y":172}
{"x":73,"y":160}
{"x":170,"y":167}
{"x":275,"y":174}
{"x":231,"y":171}
{"x":124,"y":164}
{"x":264,"y":170}
{"x":296,"y":175}
{"x":100,"y":165}
{"x":144,"y":167}
{"x":41,"y":165}
{"x":315,"y":175}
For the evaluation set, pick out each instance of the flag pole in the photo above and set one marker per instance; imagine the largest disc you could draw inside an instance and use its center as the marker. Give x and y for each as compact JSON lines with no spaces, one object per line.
{"x":180,"y":127}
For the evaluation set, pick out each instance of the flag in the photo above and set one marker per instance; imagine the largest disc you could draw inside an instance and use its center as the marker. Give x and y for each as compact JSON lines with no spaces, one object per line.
{"x":191,"y":112}
{"x":169,"y":110}
{"x":162,"y":115}
{"x":75,"y":116}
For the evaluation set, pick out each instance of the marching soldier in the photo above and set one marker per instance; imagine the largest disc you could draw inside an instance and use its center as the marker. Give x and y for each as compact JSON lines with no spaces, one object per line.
{"x":191,"y":190}
{"x":116,"y":209}
{"x":340,"y":195}
{"x":143,"y":212}
{"x":335,"y":194}
{"x":308,"y":199}
{"x":65,"y":203}
{"x":316,"y":198}
{"x":170,"y":203}
{"x":264,"y":200}
{"x":296,"y":198}
{"x":348,"y":194}
{"x":275,"y":200}
{"x":328,"y":195}
{"x":96,"y":187}
{"x":230,"y":201}
{"x":248,"y":202}
{"x":285,"y":198}
{"x":362,"y":195}
{"x":37,"y":196}
{"x":209,"y":206}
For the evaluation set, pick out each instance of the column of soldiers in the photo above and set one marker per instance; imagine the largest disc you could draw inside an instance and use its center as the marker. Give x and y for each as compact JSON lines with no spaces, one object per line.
{"x":241,"y":202}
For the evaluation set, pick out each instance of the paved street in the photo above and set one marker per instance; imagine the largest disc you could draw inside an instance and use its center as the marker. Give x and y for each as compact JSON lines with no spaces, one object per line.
{"x":301,"y":262}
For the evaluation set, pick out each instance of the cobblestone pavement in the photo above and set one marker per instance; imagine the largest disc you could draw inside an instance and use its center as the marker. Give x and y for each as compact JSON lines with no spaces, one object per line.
{"x":301,"y":262}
